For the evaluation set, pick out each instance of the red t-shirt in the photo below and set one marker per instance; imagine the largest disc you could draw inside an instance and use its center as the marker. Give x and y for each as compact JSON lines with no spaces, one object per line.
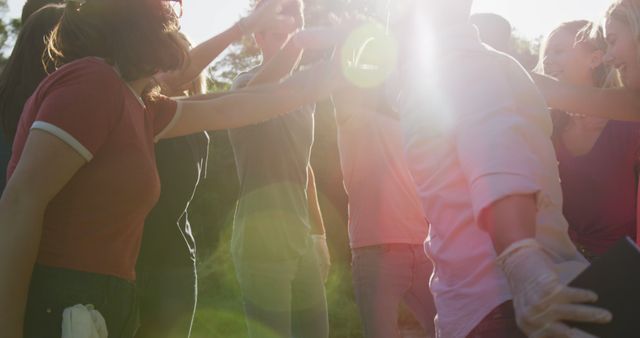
{"x":95,"y":222}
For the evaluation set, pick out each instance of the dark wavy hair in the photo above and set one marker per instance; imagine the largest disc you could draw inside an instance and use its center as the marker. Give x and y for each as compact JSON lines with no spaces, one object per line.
{"x":139,"y":37}
{"x":31,"y":6}
{"x":25,"y":68}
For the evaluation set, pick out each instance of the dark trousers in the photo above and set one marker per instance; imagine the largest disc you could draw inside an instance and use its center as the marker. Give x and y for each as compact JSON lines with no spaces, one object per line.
{"x":167,"y":299}
{"x":53,"y":289}
{"x":499,"y":323}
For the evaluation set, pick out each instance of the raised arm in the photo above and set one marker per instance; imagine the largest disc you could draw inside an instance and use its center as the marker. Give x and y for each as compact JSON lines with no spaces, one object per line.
{"x":202,"y":55}
{"x":47,"y":164}
{"x":611,"y":103}
{"x":288,"y":58}
{"x":262,"y":102}
{"x":257,"y":104}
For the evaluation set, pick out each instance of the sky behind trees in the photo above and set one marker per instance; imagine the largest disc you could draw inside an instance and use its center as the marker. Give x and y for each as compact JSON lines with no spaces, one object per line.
{"x":532,"y":18}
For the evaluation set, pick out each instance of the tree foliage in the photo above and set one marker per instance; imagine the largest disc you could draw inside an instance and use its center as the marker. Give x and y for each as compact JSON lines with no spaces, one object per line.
{"x":8,"y":28}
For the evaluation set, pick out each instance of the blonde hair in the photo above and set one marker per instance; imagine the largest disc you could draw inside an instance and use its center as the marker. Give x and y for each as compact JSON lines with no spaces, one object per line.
{"x":588,"y":35}
{"x":627,"y":12}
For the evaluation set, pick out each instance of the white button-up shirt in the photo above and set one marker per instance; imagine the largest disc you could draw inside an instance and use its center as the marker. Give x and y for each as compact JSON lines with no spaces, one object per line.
{"x":477,"y":130}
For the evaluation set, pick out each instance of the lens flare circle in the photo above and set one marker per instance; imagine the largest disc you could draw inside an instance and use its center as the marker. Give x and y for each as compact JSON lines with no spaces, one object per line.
{"x":369,"y":56}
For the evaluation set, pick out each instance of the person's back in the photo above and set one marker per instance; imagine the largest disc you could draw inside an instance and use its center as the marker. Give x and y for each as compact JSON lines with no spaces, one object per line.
{"x":387,"y":227}
{"x":278,"y":244}
{"x":477,"y":131}
{"x":271,"y":161}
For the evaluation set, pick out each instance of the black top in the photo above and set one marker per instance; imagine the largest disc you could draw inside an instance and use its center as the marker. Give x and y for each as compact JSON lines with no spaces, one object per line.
{"x":168,"y":239}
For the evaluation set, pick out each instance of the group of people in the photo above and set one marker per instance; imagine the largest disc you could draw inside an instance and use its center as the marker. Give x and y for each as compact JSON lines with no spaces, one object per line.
{"x":477,"y":190}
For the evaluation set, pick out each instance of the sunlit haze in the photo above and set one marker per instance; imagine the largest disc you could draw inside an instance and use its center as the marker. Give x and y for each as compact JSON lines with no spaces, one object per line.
{"x":204,"y":18}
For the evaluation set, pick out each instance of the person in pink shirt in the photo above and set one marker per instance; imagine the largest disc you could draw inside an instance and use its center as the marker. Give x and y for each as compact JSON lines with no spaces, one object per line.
{"x":387,"y":227}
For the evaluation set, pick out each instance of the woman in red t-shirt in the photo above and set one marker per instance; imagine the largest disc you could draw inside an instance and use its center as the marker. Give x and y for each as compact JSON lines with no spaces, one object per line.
{"x":622,"y":33}
{"x":83,"y":175}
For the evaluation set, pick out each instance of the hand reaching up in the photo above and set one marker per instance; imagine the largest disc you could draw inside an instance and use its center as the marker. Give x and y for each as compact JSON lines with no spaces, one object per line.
{"x":269,"y":15}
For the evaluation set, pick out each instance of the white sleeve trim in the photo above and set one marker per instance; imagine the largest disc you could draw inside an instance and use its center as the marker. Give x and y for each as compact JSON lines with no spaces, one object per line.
{"x":172,"y":123}
{"x":64,"y":136}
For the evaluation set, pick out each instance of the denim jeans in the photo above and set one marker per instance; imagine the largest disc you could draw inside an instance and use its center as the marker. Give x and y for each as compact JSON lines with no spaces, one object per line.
{"x":499,"y":323}
{"x":53,"y":289}
{"x":384,"y":276}
{"x":284,"y":299}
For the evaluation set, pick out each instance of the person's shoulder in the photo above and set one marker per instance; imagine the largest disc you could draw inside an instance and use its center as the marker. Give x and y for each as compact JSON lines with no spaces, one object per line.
{"x":499,"y":68}
{"x":90,"y":66}
{"x":86,"y":73}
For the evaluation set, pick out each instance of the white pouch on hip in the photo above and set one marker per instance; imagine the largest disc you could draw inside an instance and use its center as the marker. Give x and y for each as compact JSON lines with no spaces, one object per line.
{"x":82,"y":321}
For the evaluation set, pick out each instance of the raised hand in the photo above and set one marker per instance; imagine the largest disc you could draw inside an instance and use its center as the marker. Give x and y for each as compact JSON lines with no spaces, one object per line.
{"x":269,"y":15}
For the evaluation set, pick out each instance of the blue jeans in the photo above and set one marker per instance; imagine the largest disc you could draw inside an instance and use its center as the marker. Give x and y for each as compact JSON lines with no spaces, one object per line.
{"x":384,"y":276}
{"x":284,"y":299}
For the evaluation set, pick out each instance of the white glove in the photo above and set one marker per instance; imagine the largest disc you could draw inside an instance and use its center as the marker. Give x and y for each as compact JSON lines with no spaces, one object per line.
{"x":540,"y":299}
{"x":81,"y":321}
{"x":322,"y":252}
{"x":268,"y":16}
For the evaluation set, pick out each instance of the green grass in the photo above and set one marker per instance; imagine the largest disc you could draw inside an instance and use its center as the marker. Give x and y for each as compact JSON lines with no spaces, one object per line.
{"x":220,"y":313}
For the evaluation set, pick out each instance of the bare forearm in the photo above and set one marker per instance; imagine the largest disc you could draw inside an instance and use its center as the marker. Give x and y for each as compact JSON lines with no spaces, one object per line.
{"x":200,"y":57}
{"x":257,"y":104}
{"x":510,"y":219}
{"x":21,"y":231}
{"x":280,"y":66}
{"x":611,"y":103}
{"x":204,"y":97}
{"x":315,"y":214}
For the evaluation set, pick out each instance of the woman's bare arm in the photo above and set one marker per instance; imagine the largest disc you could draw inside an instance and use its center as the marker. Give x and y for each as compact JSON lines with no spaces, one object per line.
{"x":266,"y":16}
{"x":257,"y":104}
{"x":46,"y":165}
{"x":199,"y":58}
{"x":261,"y":101}
{"x":612,"y":103}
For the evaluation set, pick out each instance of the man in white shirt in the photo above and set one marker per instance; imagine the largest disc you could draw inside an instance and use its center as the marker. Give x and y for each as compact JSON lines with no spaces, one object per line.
{"x":477,"y":140}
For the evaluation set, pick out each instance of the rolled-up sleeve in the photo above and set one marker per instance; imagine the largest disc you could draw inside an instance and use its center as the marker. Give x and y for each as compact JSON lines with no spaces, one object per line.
{"x":495,"y":139}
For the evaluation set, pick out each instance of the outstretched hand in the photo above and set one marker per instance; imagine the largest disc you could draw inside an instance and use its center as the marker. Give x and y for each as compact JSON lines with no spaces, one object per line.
{"x":269,"y":16}
{"x":541,"y":301}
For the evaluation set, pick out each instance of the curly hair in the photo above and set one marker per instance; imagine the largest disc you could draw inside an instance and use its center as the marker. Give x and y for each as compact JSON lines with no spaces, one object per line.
{"x":139,"y":37}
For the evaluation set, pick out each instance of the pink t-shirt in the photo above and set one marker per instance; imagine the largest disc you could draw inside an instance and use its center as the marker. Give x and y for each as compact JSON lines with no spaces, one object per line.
{"x":95,"y":222}
{"x":383,"y":203}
